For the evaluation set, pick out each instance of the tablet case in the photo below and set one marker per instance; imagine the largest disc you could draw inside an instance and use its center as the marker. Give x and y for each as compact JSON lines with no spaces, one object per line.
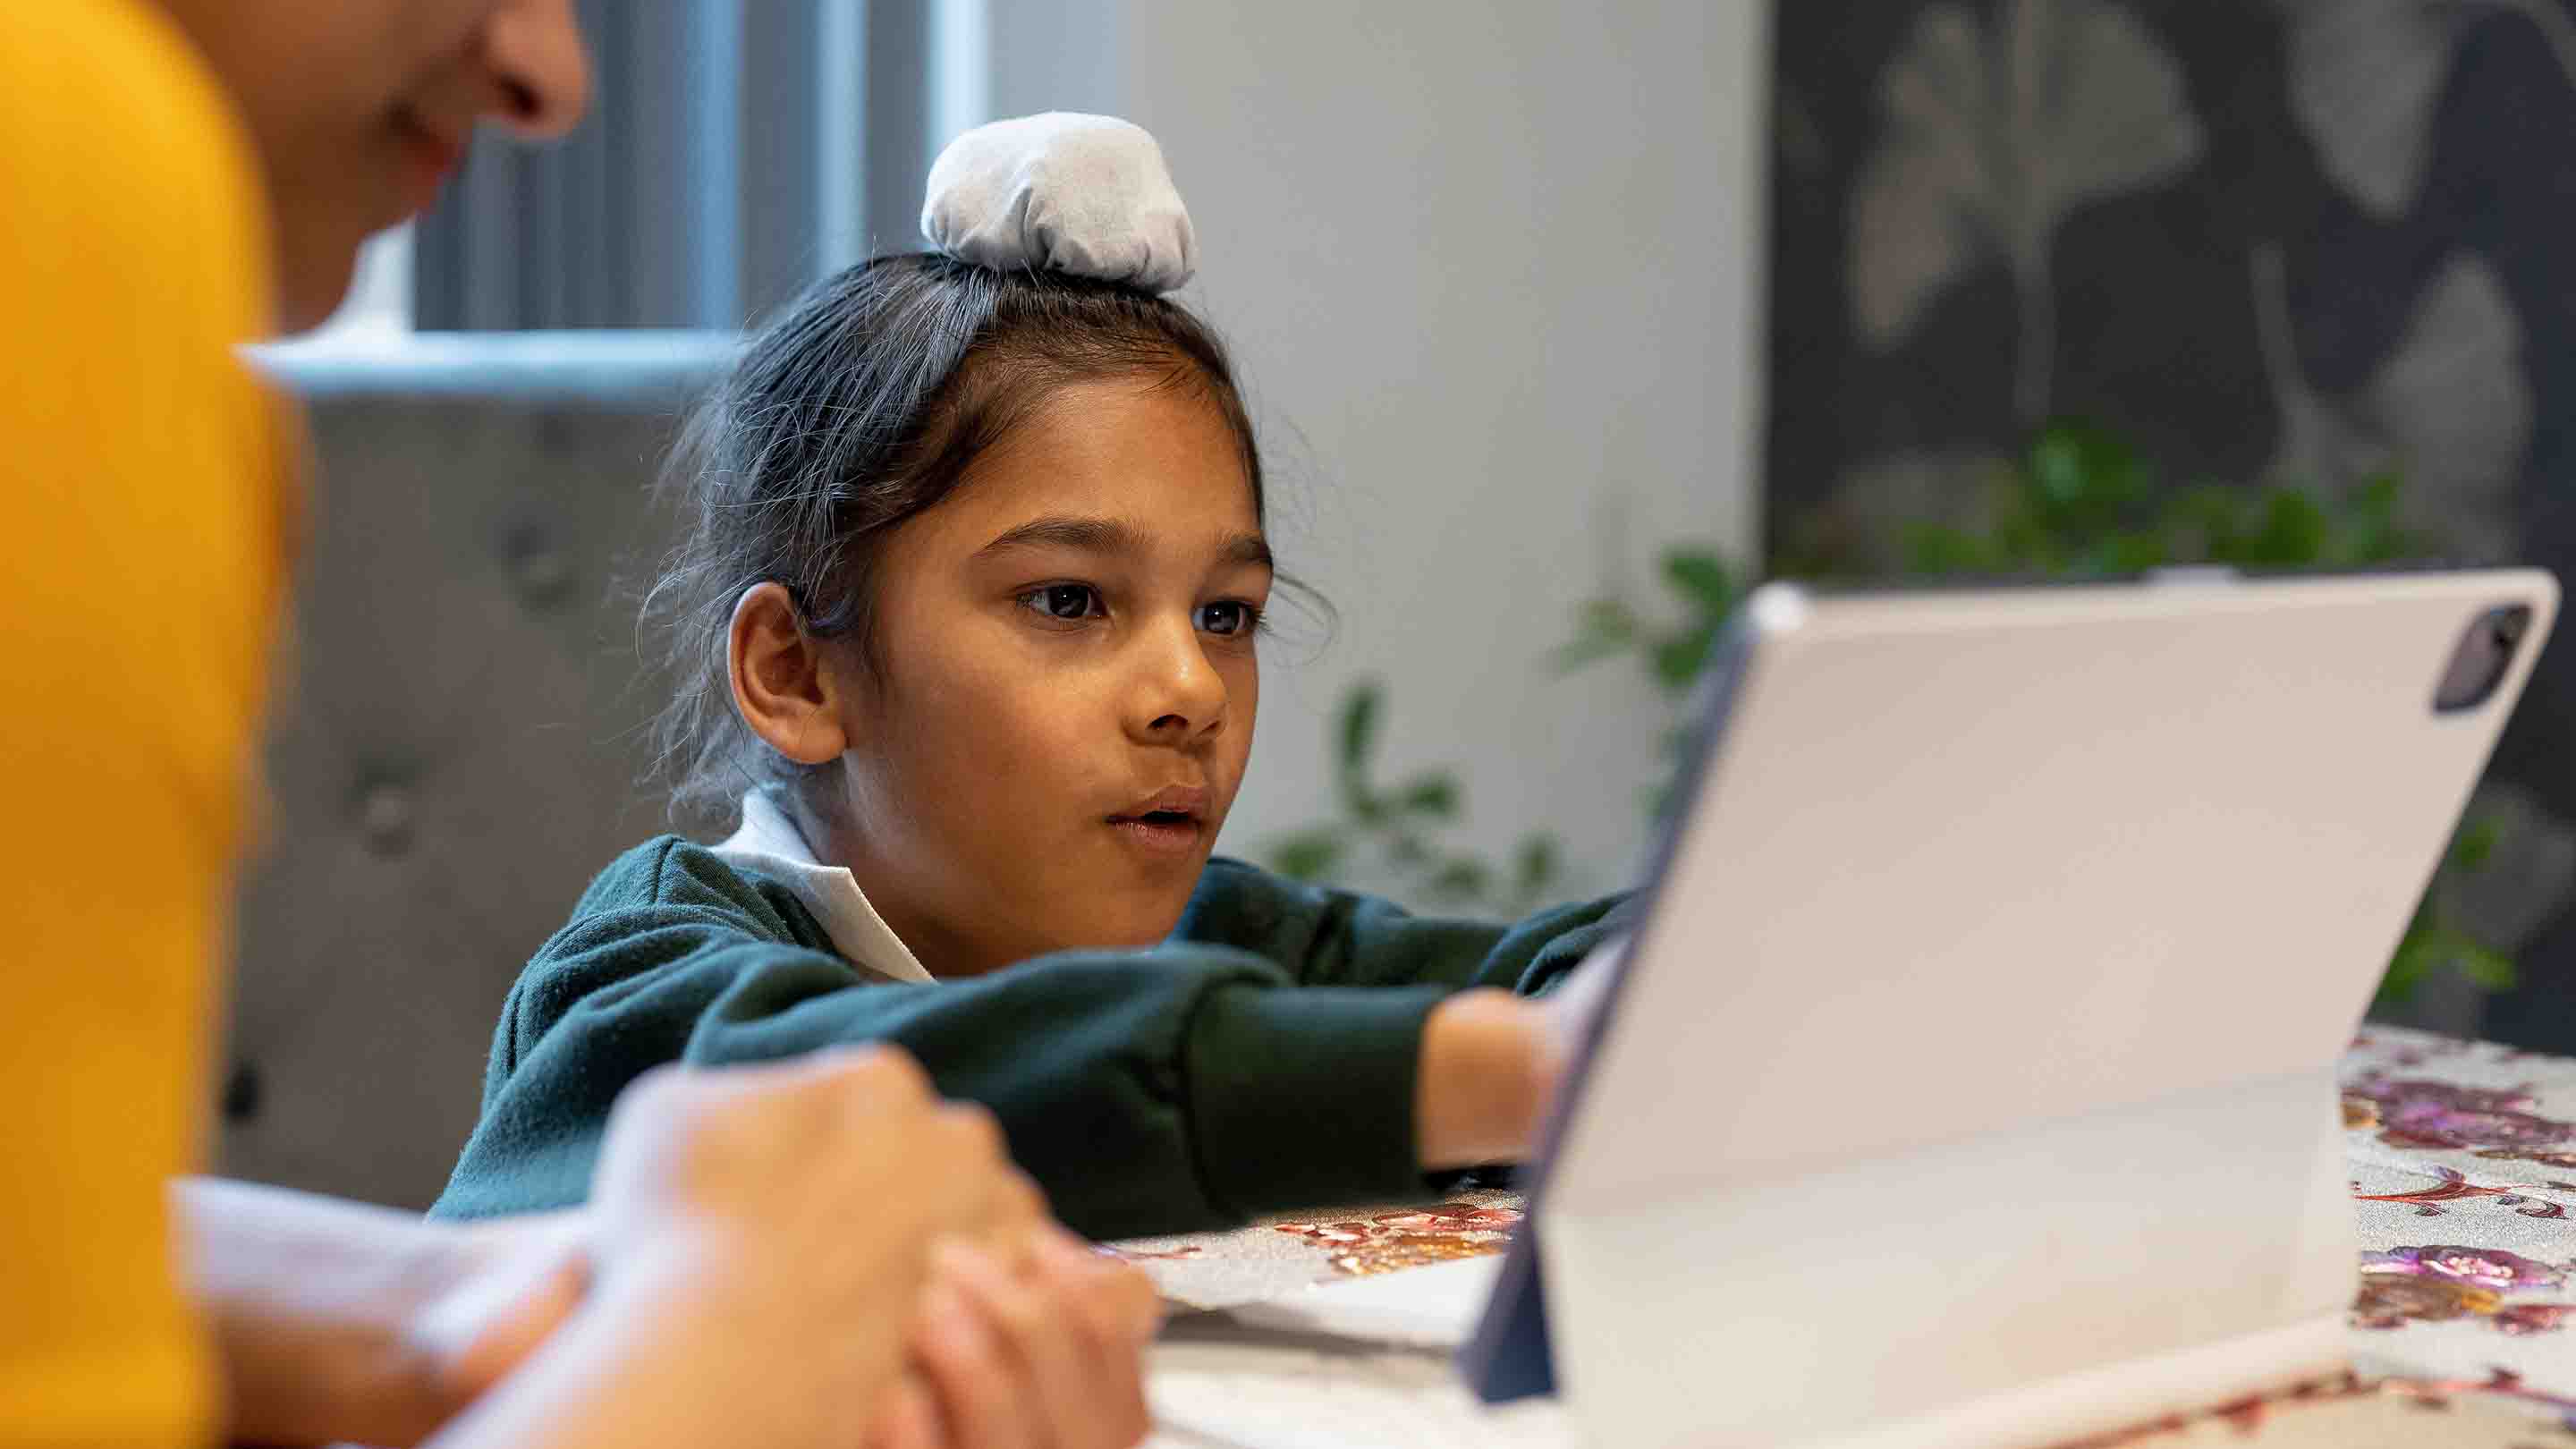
{"x":2120,"y":866}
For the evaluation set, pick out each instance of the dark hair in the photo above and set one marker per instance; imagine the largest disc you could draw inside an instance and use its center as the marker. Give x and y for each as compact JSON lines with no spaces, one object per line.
{"x":863,"y":405}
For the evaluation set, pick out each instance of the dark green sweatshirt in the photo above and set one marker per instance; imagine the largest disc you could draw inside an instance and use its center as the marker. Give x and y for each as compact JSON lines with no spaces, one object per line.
{"x":1261,"y":1059}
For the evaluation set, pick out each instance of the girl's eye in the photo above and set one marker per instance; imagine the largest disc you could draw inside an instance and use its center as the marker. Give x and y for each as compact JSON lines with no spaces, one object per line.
{"x":1067,"y":602}
{"x":1230,"y":617}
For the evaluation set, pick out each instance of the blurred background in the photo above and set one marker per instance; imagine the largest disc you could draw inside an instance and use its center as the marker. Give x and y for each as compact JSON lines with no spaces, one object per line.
{"x":1563,"y":324}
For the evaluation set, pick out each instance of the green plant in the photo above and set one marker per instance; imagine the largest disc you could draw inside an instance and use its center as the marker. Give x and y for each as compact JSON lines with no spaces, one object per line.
{"x":1674,"y":648}
{"x":1386,"y":834}
{"x":1707,"y":589}
{"x":2434,"y":941}
{"x":2081,"y":502}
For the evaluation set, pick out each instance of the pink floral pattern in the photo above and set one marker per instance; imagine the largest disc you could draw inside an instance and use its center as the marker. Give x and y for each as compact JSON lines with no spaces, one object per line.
{"x":2446,"y":1281}
{"x":2249,"y":1416}
{"x":2428,"y":1202}
{"x":2421,"y":1112}
{"x":1410,"y":1238}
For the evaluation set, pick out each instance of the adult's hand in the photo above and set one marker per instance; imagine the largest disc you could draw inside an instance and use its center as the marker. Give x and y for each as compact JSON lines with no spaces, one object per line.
{"x":336,"y":1320}
{"x":760,"y":1241}
{"x":1049,"y":1357}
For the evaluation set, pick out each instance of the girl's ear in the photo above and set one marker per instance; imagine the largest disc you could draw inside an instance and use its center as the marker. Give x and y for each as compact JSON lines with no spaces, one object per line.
{"x":780,"y":685}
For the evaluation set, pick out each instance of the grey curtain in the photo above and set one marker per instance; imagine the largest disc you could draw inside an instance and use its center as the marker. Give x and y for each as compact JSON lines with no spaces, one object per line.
{"x":735,"y":150}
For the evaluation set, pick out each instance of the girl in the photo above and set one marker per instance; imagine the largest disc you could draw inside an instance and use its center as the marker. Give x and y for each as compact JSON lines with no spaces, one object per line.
{"x":967,"y":616}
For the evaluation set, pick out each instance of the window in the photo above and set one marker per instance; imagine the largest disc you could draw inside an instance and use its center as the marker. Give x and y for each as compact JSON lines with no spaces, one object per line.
{"x":735,"y":150}
{"x":378,"y":306}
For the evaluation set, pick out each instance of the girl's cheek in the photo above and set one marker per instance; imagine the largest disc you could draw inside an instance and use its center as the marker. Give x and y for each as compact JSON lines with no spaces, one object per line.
{"x":1243,"y":687}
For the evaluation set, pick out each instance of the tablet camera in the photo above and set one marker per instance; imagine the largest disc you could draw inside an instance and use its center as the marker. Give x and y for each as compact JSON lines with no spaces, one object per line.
{"x":2480,"y":660}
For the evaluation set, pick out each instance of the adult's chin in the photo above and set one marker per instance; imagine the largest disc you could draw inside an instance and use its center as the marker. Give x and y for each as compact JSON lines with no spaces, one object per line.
{"x":313,"y":276}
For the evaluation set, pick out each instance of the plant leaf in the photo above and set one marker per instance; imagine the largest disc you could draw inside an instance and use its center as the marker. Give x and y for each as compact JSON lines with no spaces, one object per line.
{"x":1702,"y":578}
{"x":2204,"y":524}
{"x":1359,"y":725}
{"x":1602,"y":627}
{"x":1461,"y":878}
{"x":1932,"y":548}
{"x":2294,"y":530}
{"x":1679,"y":659}
{"x":1434,"y":795}
{"x":1309,"y":854}
{"x":2397,"y":987}
{"x":2084,"y":470}
{"x":1358,"y":741}
{"x":1536,"y":867}
{"x":2488,"y":968}
{"x":2476,"y":842}
{"x":2406,"y":970}
{"x":2131,"y":552}
{"x":2491,"y":970}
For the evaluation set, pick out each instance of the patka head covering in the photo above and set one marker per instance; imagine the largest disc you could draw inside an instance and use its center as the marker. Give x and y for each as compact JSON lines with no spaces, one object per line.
{"x":1061,"y":192}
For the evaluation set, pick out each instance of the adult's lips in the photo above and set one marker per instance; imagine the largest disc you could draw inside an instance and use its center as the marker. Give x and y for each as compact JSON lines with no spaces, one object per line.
{"x":431,"y":154}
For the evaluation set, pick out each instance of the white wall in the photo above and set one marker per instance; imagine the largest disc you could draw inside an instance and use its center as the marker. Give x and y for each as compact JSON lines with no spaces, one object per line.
{"x":1493,"y":276}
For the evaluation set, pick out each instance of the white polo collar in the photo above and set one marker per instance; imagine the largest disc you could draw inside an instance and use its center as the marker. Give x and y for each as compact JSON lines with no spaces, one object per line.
{"x":770,"y":843}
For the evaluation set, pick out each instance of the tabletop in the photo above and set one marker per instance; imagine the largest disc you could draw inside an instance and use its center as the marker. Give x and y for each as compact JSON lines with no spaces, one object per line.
{"x":2462,"y":1163}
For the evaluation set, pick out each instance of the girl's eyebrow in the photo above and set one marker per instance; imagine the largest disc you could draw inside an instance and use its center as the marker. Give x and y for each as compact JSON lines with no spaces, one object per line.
{"x":1112,"y":536}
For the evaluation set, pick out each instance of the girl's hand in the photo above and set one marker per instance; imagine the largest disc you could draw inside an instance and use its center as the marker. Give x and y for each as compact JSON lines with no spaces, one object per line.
{"x":1488,"y":1071}
{"x":1049,"y":1357}
{"x":1577,"y":999}
{"x":1492,"y":1062}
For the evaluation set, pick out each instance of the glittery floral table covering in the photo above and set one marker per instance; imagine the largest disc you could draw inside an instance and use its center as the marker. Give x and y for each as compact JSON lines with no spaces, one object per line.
{"x":2462,"y":1162}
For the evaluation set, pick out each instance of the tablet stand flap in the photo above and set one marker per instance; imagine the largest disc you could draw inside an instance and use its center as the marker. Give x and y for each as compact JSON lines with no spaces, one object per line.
{"x":2153,"y":1258}
{"x":1507,"y":1358}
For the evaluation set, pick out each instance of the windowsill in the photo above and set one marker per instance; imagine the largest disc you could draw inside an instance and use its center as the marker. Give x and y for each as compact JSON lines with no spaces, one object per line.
{"x":615,"y":367}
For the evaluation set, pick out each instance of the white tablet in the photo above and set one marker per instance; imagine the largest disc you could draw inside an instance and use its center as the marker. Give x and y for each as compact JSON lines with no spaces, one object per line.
{"x":1969,"y":1079}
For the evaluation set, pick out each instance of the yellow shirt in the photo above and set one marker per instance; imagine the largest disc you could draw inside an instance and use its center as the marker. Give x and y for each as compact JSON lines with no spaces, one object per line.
{"x":142,"y":547}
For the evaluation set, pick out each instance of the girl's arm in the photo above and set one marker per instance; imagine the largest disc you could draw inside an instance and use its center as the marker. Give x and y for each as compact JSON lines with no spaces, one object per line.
{"x":1328,"y":937}
{"x":1490,"y":1061}
{"x":1181,"y":1088}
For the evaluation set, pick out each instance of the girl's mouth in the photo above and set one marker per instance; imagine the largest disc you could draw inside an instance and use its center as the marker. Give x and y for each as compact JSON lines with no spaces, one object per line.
{"x":1165,"y":832}
{"x":1170,"y":823}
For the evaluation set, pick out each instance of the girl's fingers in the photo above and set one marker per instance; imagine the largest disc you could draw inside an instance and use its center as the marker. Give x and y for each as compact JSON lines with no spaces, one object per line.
{"x":985,"y":1399}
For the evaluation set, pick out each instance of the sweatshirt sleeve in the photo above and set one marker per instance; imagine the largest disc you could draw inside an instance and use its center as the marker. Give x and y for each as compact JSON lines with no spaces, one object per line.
{"x":1328,"y":937}
{"x":1182,"y":1088}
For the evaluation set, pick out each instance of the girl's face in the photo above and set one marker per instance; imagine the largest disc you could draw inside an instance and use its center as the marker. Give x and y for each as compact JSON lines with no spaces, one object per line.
{"x":1065,"y":688}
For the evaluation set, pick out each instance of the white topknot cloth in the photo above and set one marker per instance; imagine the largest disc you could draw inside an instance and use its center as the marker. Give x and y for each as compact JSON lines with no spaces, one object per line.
{"x":1088,"y":195}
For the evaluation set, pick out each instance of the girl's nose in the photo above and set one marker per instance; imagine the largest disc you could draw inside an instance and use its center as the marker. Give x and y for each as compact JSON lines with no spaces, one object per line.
{"x":539,"y":71}
{"x":1181,"y":695}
